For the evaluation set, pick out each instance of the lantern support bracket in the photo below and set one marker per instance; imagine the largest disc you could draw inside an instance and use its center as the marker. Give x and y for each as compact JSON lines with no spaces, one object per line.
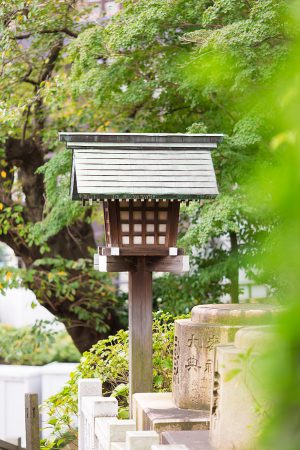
{"x":175,"y":264}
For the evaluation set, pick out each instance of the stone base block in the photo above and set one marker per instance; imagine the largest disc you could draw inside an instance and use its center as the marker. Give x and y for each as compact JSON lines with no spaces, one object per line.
{"x":111,"y":429}
{"x":193,"y":440}
{"x":118,"y":446}
{"x":175,"y":419}
{"x":96,"y":406}
{"x":141,"y":440}
{"x":140,"y":402}
{"x":155,"y":411}
{"x":169,"y":447}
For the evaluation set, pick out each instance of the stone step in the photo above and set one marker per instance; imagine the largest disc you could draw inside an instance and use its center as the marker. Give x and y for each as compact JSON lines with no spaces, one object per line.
{"x":142,"y":401}
{"x":118,"y":446}
{"x":156,"y":411}
{"x":193,"y":440}
{"x":141,"y":440}
{"x":169,"y":447}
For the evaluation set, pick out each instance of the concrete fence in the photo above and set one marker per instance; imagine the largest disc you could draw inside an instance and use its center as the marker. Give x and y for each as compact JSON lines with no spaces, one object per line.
{"x":15,"y":382}
{"x":100,"y":428}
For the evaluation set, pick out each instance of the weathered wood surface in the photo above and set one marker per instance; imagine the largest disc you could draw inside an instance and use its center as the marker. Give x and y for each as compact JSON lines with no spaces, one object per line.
{"x":9,"y":446}
{"x":140,"y":330}
{"x":121,"y":148}
{"x":140,"y":157}
{"x":121,"y":172}
{"x":114,"y":226}
{"x":152,"y":167}
{"x":152,"y":180}
{"x":136,"y":182}
{"x":136,"y":165}
{"x":172,"y":225}
{"x":115,"y":263}
{"x":32,"y":422}
{"x":139,"y":251}
{"x":176,"y":264}
{"x":139,"y":137}
{"x":141,"y":192}
{"x":148,"y":173}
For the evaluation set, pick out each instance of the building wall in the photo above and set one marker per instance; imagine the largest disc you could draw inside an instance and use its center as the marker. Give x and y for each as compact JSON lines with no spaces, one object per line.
{"x":19,"y":307}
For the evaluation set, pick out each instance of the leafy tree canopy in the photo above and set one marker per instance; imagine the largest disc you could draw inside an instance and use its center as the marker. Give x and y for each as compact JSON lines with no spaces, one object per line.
{"x":168,"y":66}
{"x":198,"y":67}
{"x":53,"y":236}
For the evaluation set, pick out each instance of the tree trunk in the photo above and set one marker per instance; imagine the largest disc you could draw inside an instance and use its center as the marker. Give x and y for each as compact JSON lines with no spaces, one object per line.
{"x":234,"y":269}
{"x":83,"y":338}
{"x":71,"y":243}
{"x":91,"y":305}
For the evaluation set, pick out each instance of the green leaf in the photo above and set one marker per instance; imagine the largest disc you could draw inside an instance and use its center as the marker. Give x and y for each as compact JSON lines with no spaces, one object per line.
{"x":231,"y":374}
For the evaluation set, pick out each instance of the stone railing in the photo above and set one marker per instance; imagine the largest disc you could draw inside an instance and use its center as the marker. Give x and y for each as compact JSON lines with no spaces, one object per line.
{"x":100,"y":429}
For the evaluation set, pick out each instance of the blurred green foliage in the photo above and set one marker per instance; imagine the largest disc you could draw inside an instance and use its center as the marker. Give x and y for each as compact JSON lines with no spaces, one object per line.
{"x":36,"y":345}
{"x":108,"y":361}
{"x":280,"y":186}
{"x":271,"y":186}
{"x":177,"y":294}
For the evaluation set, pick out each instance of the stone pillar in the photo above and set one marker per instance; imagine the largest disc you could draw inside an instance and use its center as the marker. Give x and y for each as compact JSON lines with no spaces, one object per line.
{"x":87,"y":387}
{"x":239,"y":391}
{"x":195,"y":339}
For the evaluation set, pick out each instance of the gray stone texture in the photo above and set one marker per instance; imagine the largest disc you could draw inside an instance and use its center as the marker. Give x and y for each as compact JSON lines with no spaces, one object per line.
{"x":195,"y":340}
{"x":193,"y":440}
{"x":156,"y":411}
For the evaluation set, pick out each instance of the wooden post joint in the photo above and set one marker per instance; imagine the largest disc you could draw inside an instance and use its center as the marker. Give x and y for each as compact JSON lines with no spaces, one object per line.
{"x":176,"y":264}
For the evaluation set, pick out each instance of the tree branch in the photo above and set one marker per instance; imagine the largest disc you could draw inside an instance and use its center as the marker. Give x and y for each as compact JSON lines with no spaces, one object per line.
{"x":269,"y":38}
{"x":28,"y":156}
{"x":54,"y":31}
{"x":26,"y":78}
{"x":25,"y":124}
{"x":9,"y":17}
{"x":219,"y":105}
{"x":52,"y":57}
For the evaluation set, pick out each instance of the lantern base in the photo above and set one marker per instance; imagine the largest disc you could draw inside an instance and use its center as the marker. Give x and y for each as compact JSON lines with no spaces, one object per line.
{"x":175,"y":264}
{"x":141,"y":250}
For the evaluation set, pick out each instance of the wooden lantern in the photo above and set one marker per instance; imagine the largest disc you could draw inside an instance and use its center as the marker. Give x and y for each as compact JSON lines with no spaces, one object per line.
{"x":141,"y":180}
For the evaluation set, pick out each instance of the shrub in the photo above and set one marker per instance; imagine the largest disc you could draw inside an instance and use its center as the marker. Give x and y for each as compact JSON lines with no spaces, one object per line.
{"x":35,"y":345}
{"x":108,"y":361}
{"x":178,"y":294}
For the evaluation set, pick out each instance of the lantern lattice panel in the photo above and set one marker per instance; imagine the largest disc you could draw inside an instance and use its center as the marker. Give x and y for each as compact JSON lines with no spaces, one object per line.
{"x":141,"y":223}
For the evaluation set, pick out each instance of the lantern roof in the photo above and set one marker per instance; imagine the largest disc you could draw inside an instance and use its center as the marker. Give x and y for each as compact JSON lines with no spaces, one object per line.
{"x":142,"y":165}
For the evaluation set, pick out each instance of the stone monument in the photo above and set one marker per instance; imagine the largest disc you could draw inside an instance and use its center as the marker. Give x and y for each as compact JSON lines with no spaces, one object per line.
{"x":238,"y":381}
{"x":195,"y":340}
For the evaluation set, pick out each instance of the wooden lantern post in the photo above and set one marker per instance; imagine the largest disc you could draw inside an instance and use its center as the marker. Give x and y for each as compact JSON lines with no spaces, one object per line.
{"x":141,"y":180}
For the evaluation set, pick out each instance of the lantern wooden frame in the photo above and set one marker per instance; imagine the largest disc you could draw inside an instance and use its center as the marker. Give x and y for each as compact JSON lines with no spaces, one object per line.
{"x":135,"y":226}
{"x":141,"y":180}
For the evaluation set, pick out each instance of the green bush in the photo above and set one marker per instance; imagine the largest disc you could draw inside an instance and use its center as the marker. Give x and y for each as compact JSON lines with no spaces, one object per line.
{"x":36,"y":345}
{"x":178,"y":294}
{"x":108,"y":361}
